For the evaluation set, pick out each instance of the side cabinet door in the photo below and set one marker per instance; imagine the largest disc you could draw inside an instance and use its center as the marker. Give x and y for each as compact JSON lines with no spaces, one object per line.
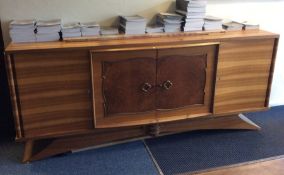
{"x":53,"y":92}
{"x":124,"y":87}
{"x":243,"y":76}
{"x":185,"y":81}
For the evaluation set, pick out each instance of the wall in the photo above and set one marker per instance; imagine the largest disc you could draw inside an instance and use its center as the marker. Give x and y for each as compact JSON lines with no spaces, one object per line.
{"x":267,"y":13}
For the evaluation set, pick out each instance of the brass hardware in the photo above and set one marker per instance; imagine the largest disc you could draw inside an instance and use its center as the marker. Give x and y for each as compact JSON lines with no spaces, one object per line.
{"x":154,"y":47}
{"x":146,"y":87}
{"x":188,"y":45}
{"x":167,"y":85}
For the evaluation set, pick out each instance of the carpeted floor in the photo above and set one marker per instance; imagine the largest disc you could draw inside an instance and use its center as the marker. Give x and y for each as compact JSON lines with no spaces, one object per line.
{"x":180,"y":153}
{"x":124,"y":159}
{"x":199,"y":150}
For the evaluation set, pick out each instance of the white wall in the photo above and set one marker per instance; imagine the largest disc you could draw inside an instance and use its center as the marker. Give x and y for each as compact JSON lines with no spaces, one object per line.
{"x":268,"y":13}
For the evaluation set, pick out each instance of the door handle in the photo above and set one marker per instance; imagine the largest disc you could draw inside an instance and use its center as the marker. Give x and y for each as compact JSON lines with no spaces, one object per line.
{"x":167,"y":85}
{"x":146,"y":87}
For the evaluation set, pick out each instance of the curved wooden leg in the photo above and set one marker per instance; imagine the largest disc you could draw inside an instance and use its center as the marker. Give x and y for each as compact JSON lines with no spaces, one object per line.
{"x":207,"y":123}
{"x":28,"y":152}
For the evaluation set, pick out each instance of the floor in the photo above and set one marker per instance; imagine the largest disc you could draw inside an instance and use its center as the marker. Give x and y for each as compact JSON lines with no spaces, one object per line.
{"x":269,"y":167}
{"x":123,"y":159}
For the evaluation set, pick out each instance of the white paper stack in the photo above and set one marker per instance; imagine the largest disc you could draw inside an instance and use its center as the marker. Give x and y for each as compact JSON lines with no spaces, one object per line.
{"x":71,"y":30}
{"x":155,"y":29}
{"x":212,"y":23}
{"x":109,"y":31}
{"x":194,"y":13}
{"x":48,"y":30}
{"x":22,"y":31}
{"x":132,"y":24}
{"x":170,"y":21}
{"x":232,"y":26}
{"x":248,"y":25}
{"x":90,"y":29}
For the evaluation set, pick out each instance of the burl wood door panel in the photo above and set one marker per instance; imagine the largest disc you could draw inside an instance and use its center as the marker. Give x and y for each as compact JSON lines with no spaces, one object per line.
{"x":181,"y":80}
{"x":128,"y":86}
{"x":124,"y":87}
{"x":185,"y":79}
{"x":53,"y":90}
{"x":244,"y":70}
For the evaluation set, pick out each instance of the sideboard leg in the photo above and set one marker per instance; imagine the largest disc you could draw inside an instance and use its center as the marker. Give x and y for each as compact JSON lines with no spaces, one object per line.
{"x":28,"y":152}
{"x":40,"y":149}
{"x":248,"y":124}
{"x":208,"y":123}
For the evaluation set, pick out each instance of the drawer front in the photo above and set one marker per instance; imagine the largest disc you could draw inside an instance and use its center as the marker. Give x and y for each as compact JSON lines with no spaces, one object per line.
{"x":243,"y":75}
{"x":53,"y":90}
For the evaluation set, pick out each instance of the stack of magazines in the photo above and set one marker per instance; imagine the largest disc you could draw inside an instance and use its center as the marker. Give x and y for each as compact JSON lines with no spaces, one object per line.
{"x":212,"y":23}
{"x":155,"y":29}
{"x":48,"y":30}
{"x":22,"y":31}
{"x":194,"y":13}
{"x":232,"y":26}
{"x":132,"y":24}
{"x":90,"y":29}
{"x":170,"y":21}
{"x":71,"y":30}
{"x":109,"y":31}
{"x":247,"y":25}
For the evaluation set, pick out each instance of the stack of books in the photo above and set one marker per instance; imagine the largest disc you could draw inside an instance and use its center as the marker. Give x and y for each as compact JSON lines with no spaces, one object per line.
{"x":170,"y":21}
{"x":22,"y":31}
{"x":109,"y":31}
{"x":48,"y":30}
{"x":247,"y":25}
{"x":212,"y":23}
{"x":132,"y":24}
{"x":71,"y":30}
{"x":193,"y":12}
{"x":155,"y":29}
{"x":90,"y":29}
{"x":232,"y":26}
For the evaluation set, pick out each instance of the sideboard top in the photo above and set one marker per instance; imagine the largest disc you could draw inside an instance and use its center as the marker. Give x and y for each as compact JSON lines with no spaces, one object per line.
{"x":88,"y":43}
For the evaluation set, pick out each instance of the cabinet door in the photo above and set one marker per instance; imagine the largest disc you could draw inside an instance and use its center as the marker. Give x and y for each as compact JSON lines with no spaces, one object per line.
{"x":124,"y":87}
{"x":53,"y":89}
{"x":185,"y":81}
{"x":243,"y":76}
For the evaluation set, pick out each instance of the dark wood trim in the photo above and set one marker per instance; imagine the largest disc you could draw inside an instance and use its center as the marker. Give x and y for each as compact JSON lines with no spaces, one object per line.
{"x":14,"y":97}
{"x":274,"y":54}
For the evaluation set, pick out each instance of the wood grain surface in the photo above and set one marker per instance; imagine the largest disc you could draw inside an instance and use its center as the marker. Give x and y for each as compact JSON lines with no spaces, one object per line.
{"x":243,"y":75}
{"x":267,"y":167}
{"x":54,"y":92}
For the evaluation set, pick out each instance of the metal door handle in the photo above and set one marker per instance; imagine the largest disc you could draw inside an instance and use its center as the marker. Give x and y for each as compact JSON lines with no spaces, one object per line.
{"x":167,"y":85}
{"x":146,"y":87}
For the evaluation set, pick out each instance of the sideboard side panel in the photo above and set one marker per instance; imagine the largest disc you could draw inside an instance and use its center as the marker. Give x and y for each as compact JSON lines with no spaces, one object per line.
{"x":243,"y":73}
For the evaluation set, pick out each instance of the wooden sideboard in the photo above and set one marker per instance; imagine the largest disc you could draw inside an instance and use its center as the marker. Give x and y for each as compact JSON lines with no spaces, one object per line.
{"x":74,"y":94}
